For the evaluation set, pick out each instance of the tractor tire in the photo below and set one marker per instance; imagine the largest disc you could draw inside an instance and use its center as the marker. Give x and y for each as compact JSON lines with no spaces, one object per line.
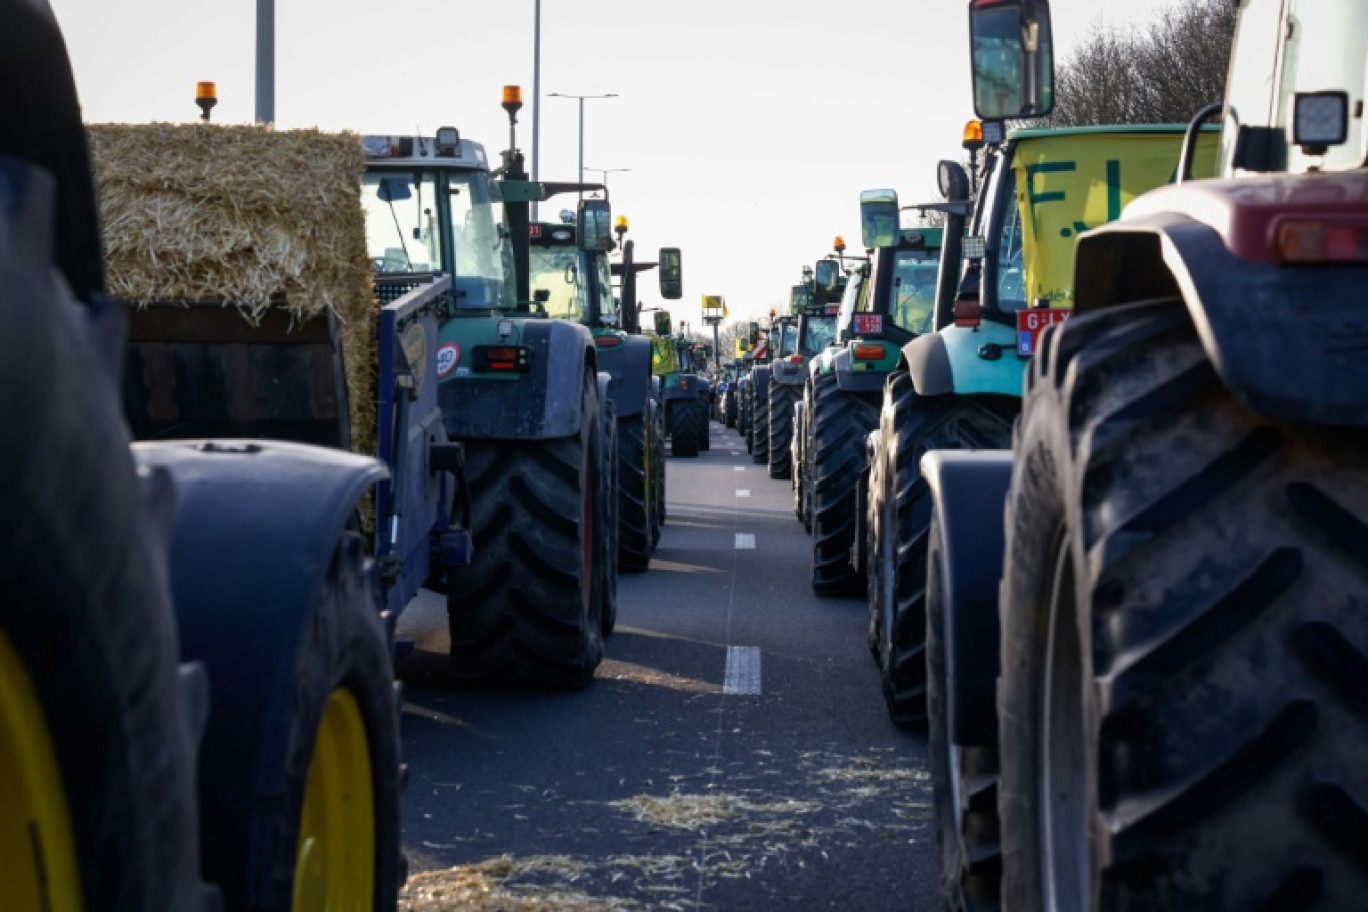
{"x":780,"y":406}
{"x":527,"y":611}
{"x":729,"y":412}
{"x":338,"y":768}
{"x":658,"y":471}
{"x":796,"y":458}
{"x":760,"y":434}
{"x":1184,"y":642}
{"x":898,"y":518}
{"x":690,"y":426}
{"x":840,"y":422}
{"x":98,"y":725}
{"x":635,"y":491}
{"x":744,"y":419}
{"x":805,"y":489}
{"x":964,"y":779}
{"x":612,"y":523}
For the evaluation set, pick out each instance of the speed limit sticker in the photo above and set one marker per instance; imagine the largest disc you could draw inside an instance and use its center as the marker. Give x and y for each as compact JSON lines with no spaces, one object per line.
{"x":448,"y":356}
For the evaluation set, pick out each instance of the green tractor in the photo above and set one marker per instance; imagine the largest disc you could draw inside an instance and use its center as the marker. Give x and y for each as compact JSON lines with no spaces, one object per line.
{"x":538,"y":595}
{"x":571,"y":283}
{"x":804,"y":333}
{"x":683,"y":391}
{"x":888,"y":300}
{"x":960,"y":387}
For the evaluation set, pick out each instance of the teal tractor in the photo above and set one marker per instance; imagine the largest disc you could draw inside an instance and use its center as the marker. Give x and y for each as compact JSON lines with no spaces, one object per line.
{"x":889,"y":300}
{"x":683,"y":391}
{"x":538,"y":596}
{"x":571,"y":283}
{"x":804,"y":333}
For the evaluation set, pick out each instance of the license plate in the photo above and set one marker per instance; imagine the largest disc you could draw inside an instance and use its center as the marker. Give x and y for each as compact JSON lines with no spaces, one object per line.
{"x":1031,"y":323}
{"x":868,"y":324}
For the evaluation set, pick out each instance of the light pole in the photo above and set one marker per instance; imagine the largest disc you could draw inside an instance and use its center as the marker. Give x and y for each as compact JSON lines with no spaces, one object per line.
{"x":536,"y":95}
{"x":607,"y":171}
{"x":581,"y":99}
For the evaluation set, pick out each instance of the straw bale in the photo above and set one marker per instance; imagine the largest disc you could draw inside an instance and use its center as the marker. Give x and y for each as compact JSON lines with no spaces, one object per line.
{"x":247,"y":216}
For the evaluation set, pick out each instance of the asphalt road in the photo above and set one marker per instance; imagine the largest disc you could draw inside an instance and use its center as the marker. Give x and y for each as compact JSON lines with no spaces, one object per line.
{"x":732,"y":753}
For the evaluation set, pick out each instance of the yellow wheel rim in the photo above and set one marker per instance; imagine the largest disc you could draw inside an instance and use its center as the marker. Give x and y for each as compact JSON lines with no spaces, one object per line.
{"x":38,"y":868}
{"x":335,"y":857}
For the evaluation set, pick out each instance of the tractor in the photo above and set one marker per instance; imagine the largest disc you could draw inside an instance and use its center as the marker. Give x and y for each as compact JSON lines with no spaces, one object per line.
{"x":683,"y":391}
{"x":573,"y":284}
{"x":960,"y":386}
{"x":1145,"y":640}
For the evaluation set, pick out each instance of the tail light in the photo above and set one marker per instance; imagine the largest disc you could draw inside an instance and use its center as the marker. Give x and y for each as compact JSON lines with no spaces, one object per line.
{"x":795,"y":359}
{"x":1316,"y":242}
{"x":502,"y":358}
{"x":967,"y":311}
{"x":607,"y":341}
{"x":868,"y":352}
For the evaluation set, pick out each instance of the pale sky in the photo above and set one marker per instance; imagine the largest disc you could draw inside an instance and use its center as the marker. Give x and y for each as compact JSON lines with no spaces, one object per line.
{"x":750,"y":128}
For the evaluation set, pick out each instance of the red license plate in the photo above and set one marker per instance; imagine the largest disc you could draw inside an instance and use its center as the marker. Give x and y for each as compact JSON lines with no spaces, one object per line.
{"x":868,"y":324}
{"x":1031,"y":323}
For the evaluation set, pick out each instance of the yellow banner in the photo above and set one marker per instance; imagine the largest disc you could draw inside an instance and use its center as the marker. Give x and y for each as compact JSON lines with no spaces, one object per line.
{"x":1067,"y":184}
{"x":662,"y":356}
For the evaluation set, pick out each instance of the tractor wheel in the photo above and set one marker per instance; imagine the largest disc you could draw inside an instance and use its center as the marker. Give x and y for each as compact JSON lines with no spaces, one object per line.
{"x":805,"y":490}
{"x":612,"y":523}
{"x":899,"y":515}
{"x":797,"y":458}
{"x":743,"y":423}
{"x":760,"y":434}
{"x":730,"y":416}
{"x":635,"y":487}
{"x":1184,"y":641}
{"x":964,"y":779}
{"x":780,"y":406}
{"x":839,"y":425}
{"x":528,"y":609}
{"x":690,"y":426}
{"x":658,"y":471}
{"x":333,"y":842}
{"x":98,"y":726}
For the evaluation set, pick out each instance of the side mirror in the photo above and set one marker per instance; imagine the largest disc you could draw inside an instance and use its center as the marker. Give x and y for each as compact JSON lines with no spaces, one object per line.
{"x":879,"y":218}
{"x":827,"y":274}
{"x":594,"y":226}
{"x":393,"y":188}
{"x":1013,"y":58}
{"x":671,"y":274}
{"x":663,"y":326}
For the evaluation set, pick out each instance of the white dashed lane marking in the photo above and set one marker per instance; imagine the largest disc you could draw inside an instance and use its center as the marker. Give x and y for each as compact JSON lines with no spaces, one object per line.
{"x":743,"y":671}
{"x":742,"y":492}
{"x":745,"y":541}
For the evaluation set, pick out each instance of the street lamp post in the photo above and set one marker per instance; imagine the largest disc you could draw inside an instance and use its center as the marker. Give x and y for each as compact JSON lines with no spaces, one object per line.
{"x":607,"y":171}
{"x":581,"y":99}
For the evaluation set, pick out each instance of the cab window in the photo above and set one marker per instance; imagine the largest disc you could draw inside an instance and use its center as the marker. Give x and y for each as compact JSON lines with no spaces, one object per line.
{"x":914,"y":290}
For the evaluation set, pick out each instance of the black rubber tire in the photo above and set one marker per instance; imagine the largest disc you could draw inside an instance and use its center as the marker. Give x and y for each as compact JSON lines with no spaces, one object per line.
{"x":744,"y":414}
{"x":898,"y":518}
{"x":635,"y":491}
{"x":658,"y":470}
{"x":760,"y":426}
{"x":839,"y":422}
{"x":690,"y":426}
{"x":612,"y":524}
{"x":527,"y":610}
{"x":1211,"y":566}
{"x":86,"y":604}
{"x":730,"y":415}
{"x":967,"y":838}
{"x":805,"y":486}
{"x":780,"y":406}
{"x":345,"y":646}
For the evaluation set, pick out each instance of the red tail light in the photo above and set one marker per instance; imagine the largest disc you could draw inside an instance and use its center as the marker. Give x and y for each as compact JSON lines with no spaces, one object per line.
{"x":1314,"y":242}
{"x":506,"y":358}
{"x":795,"y":359}
{"x":967,"y":311}
{"x":868,"y":352}
{"x":607,"y":341}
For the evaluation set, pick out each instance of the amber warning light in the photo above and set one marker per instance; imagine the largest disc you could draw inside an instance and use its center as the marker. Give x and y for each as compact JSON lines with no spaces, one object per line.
{"x":206,"y":96}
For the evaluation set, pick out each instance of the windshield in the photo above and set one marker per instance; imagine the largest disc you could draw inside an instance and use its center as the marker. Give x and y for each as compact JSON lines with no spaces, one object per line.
{"x":401,"y":224}
{"x":439,"y":220}
{"x":788,"y":339}
{"x":555,"y":270}
{"x":818,"y":332}
{"x":914,"y":289}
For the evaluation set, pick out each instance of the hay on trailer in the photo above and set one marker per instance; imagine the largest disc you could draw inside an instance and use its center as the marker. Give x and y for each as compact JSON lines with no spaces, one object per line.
{"x":247,"y":216}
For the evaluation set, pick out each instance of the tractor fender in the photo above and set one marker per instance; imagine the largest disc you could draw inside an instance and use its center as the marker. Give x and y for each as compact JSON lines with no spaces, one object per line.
{"x":1286,"y":340}
{"x":788,"y":373}
{"x":969,"y":492}
{"x":965,"y":360}
{"x":679,"y":390}
{"x":540,"y":405}
{"x":630,"y":367}
{"x":256,"y":526}
{"x":849,"y":380}
{"x":760,"y":378}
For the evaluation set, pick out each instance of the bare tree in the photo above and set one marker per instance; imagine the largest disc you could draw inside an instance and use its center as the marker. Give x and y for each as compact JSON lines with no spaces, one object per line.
{"x":1162,"y":73}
